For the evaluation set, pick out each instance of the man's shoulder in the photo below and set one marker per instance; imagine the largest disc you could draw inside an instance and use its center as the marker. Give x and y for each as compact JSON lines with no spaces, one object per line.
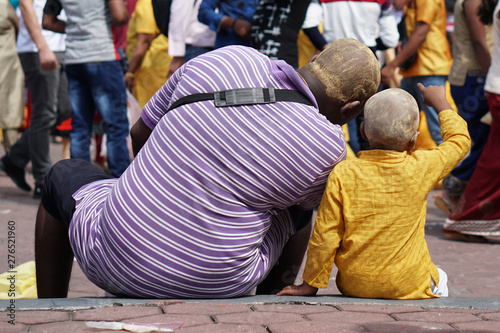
{"x":233,"y":56}
{"x":241,"y":49}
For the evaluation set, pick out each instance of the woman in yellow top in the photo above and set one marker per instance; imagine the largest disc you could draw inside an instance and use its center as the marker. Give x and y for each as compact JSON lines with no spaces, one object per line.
{"x":371,"y":218}
{"x":146,"y":53}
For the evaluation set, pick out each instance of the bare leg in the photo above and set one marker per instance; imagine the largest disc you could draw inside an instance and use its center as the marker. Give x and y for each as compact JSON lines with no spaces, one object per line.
{"x":53,"y":256}
{"x":288,"y":266}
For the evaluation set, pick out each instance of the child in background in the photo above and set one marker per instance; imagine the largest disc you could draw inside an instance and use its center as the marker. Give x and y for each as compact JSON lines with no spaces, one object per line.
{"x":372,"y":215}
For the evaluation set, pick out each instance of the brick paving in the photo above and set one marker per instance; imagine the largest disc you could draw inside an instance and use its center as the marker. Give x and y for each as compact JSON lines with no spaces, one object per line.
{"x":277,"y":317}
{"x":473,"y":305}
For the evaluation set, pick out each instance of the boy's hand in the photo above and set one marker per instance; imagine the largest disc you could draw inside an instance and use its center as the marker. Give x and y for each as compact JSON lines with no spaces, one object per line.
{"x":435,"y":96}
{"x":303,"y":290}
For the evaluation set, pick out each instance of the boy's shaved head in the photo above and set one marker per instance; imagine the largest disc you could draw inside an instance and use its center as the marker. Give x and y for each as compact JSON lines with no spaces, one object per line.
{"x":348,"y":69}
{"x":391,"y":118}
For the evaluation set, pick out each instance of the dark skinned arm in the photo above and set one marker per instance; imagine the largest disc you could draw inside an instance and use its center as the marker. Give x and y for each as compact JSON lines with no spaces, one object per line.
{"x":141,"y":47}
{"x":414,"y":43}
{"x":240,"y":27}
{"x":139,"y":133}
{"x":52,"y":23}
{"x":119,"y":13}
{"x":175,"y":64}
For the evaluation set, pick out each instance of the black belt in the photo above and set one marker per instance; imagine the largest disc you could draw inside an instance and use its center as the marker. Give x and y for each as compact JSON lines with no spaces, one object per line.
{"x":245,"y":96}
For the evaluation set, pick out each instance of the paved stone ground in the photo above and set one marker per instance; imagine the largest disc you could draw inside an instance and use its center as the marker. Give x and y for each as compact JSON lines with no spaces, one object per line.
{"x":473,"y":305}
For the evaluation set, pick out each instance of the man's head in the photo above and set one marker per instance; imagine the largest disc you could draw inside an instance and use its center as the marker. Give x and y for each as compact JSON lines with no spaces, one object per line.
{"x":345,"y":72}
{"x":391,"y":120}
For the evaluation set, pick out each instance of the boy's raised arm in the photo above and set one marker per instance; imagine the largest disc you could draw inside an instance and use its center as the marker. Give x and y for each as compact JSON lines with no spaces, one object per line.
{"x":435,"y":96}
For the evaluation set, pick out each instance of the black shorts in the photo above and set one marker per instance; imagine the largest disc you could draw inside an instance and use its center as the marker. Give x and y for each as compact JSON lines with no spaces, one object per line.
{"x":300,"y":218}
{"x":63,"y":180}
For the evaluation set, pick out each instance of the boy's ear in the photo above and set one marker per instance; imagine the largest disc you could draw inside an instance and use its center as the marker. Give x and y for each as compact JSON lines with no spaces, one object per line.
{"x":413,"y":141}
{"x":362,"y":130}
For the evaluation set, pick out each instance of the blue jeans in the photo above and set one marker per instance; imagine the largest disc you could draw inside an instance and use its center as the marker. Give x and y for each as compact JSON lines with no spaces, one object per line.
{"x":410,"y":85}
{"x":99,"y":86}
{"x":472,"y":106}
{"x":352,"y":128}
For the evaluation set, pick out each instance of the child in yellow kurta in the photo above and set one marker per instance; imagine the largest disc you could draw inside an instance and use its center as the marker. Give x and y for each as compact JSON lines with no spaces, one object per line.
{"x":372,"y":216}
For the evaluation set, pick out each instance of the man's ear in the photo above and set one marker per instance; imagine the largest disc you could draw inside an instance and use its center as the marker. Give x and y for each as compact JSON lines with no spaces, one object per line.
{"x":362,"y":130}
{"x":313,"y":58}
{"x":347,"y":109}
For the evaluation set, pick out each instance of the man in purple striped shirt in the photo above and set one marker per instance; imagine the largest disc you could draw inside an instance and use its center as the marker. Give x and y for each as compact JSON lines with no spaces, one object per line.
{"x":219,"y":197}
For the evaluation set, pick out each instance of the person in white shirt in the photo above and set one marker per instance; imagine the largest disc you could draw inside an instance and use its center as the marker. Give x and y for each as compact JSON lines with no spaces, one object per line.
{"x":187,"y":38}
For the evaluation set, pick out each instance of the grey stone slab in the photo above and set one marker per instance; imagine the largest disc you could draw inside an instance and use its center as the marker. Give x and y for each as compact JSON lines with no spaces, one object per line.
{"x":115,"y":313}
{"x":87,"y":303}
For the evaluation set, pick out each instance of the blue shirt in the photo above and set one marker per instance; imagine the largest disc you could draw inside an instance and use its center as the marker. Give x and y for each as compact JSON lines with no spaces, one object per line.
{"x":238,"y":9}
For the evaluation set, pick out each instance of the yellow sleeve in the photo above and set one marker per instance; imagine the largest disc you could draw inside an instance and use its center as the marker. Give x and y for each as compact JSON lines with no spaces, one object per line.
{"x":456,"y":144}
{"x":145,"y":20}
{"x":326,"y":237}
{"x":426,"y":10}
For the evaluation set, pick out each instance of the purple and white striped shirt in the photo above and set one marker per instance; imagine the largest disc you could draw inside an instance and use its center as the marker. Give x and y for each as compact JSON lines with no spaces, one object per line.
{"x":201,"y":211}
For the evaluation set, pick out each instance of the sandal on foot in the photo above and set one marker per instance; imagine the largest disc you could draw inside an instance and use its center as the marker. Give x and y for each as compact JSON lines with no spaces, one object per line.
{"x":443,"y":204}
{"x":464,"y":237}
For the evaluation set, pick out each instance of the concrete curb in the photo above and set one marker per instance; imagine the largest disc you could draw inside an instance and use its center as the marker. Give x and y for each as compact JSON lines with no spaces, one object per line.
{"x":89,"y":302}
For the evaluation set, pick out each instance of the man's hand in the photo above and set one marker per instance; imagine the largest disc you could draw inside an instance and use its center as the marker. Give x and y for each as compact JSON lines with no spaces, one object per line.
{"x":129,"y":82}
{"x":386,"y":74}
{"x":48,"y":60}
{"x":435,"y":96}
{"x":303,"y":290}
{"x":242,"y":28}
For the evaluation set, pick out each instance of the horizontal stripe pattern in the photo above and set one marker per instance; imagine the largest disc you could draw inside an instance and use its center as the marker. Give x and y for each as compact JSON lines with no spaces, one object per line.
{"x":201,"y":211}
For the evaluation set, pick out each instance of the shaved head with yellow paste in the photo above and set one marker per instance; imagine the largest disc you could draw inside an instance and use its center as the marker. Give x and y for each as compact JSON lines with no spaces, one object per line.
{"x":348,"y":69}
{"x":342,"y":78}
{"x":391,"y":119}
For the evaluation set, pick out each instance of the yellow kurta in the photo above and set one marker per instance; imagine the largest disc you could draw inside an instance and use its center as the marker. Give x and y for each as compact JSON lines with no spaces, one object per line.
{"x":154,"y":68}
{"x":372,"y":216}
